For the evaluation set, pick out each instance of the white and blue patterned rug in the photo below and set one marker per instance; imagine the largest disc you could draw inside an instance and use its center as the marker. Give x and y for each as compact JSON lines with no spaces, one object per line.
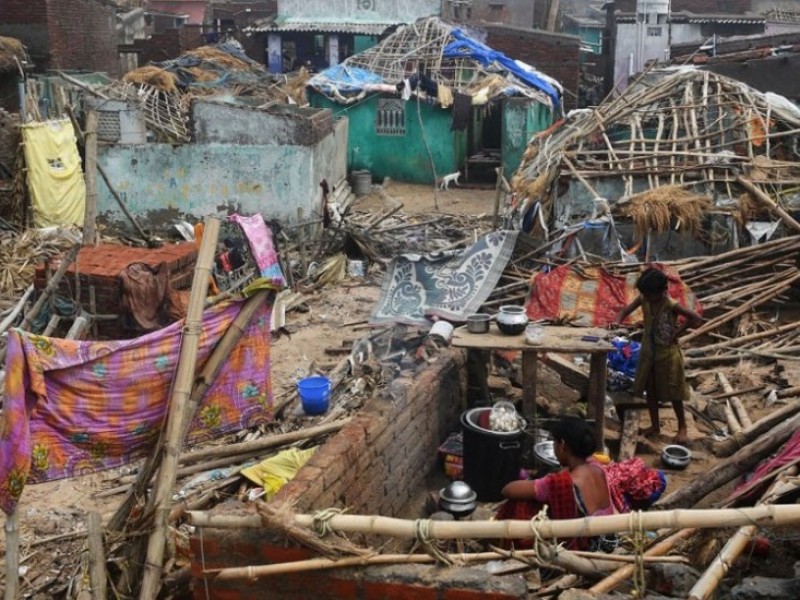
{"x":447,"y":285}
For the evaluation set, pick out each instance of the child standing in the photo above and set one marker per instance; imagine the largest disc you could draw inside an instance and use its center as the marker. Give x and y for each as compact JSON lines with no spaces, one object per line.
{"x":660,"y":369}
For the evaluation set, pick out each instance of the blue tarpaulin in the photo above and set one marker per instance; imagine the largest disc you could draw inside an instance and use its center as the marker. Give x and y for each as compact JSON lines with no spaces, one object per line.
{"x":344,"y":79}
{"x":464,"y":46}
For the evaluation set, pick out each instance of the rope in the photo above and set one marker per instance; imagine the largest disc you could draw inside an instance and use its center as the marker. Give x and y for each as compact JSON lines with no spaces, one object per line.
{"x":638,"y":540}
{"x":321,"y":520}
{"x":422,"y":538}
{"x":544,"y":549}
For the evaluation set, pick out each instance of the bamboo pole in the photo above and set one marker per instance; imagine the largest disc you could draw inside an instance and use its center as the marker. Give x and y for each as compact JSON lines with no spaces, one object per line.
{"x":769,"y":202}
{"x":757,"y":429}
{"x":728,"y":469}
{"x":12,"y":555}
{"x":763,"y":516}
{"x":51,"y":287}
{"x":97,"y":556}
{"x":622,"y":574}
{"x":736,"y":403}
{"x":710,"y":579}
{"x":9,"y":320}
{"x":177,"y":414}
{"x":90,"y":176}
{"x":124,"y":208}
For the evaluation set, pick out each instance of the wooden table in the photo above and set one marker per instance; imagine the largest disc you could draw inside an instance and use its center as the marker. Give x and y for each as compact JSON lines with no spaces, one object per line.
{"x":564,"y":340}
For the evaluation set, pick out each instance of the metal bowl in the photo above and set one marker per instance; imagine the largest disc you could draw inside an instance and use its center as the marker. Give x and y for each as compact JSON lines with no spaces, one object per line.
{"x":546,"y":455}
{"x":676,"y":457}
{"x":478,"y":323}
{"x":458,"y":499}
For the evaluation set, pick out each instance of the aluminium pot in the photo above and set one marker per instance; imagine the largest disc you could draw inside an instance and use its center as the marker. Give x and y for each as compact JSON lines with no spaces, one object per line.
{"x":512,"y":320}
{"x":478,"y":323}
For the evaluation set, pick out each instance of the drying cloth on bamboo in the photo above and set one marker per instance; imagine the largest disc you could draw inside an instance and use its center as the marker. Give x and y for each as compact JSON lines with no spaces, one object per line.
{"x":789,"y":453}
{"x":74,"y":407}
{"x":593,"y":296}
{"x":55,"y":178}
{"x":447,"y":285}
{"x":276,"y":471}
{"x":147,"y":296}
{"x":259,"y":237}
{"x":462,"y":110}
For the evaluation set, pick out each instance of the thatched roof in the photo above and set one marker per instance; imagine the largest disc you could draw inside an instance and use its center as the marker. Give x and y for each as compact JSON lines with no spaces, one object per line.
{"x":11,"y":51}
{"x":687,"y":128}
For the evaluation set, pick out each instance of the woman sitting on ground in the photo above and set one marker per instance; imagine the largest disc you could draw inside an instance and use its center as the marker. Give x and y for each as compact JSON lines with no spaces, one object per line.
{"x":579,"y":490}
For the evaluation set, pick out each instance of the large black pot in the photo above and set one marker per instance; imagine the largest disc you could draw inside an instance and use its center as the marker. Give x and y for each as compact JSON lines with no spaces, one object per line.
{"x":491,"y":458}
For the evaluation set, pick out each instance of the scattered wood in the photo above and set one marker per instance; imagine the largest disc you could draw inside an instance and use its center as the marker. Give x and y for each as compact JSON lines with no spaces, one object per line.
{"x":630,"y":435}
{"x":755,"y":430}
{"x":97,"y":556}
{"x":736,"y":403}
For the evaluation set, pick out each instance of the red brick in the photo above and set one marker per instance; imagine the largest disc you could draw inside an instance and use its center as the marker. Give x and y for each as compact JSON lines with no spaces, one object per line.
{"x":475,"y":595}
{"x":394,"y":591}
{"x":278,"y":554}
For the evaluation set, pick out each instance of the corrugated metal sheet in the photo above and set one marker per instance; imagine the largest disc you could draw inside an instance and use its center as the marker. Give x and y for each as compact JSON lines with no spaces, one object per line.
{"x":317,"y":27}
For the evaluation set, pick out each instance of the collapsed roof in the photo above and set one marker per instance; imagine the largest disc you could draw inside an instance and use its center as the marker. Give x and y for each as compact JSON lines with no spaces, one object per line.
{"x":445,"y":54}
{"x":694,"y":129}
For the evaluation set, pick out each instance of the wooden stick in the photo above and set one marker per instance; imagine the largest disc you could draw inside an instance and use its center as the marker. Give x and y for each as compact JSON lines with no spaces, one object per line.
{"x":630,"y":434}
{"x":124,"y":208}
{"x":97,"y":556}
{"x":755,"y":388}
{"x":736,"y":403}
{"x":769,"y":203}
{"x":498,"y":193}
{"x":728,"y":469}
{"x":9,"y":320}
{"x":757,"y":429}
{"x":763,"y":516}
{"x":179,"y":398}
{"x":12,"y":555}
{"x":733,"y":423}
{"x":622,"y":574}
{"x":90,"y":176}
{"x":51,"y":287}
{"x":734,"y":547}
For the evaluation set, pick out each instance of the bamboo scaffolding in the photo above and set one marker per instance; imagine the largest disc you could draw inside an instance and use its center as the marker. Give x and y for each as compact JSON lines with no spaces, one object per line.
{"x":178,"y":414}
{"x":763,"y":516}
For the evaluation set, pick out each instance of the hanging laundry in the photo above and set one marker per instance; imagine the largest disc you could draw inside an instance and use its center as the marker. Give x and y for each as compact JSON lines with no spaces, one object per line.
{"x":462,"y":110}
{"x":445,"y":96}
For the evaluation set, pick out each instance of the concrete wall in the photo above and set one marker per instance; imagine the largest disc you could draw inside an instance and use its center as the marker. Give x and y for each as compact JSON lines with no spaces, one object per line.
{"x":401,"y":157}
{"x":521,"y":119}
{"x":508,"y":12}
{"x":362,"y":11}
{"x":161,"y":183}
{"x":220,"y":123}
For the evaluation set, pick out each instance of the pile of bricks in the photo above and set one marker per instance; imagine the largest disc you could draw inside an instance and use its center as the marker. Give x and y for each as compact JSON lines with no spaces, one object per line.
{"x":377,"y":464}
{"x":100,"y":266}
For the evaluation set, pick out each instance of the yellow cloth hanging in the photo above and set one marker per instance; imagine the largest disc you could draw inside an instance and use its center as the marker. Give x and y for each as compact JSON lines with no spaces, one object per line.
{"x":444,"y":96}
{"x":276,"y":471}
{"x":55,"y":178}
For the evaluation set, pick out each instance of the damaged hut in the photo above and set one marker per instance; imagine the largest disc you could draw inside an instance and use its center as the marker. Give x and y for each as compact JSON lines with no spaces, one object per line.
{"x":430,"y":100}
{"x":693,"y":163}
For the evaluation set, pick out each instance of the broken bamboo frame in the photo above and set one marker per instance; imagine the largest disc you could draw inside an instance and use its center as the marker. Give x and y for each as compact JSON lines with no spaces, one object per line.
{"x":9,"y":320}
{"x":710,"y":579}
{"x":623,"y":573}
{"x":51,"y":287}
{"x":177,"y":413}
{"x":769,"y":202}
{"x":728,"y":469}
{"x":12,"y":554}
{"x":124,"y":208}
{"x":756,"y":430}
{"x":764,"y":516}
{"x":90,"y":176}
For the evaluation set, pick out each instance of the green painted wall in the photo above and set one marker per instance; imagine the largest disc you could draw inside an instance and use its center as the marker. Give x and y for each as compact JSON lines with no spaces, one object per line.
{"x":401,"y":157}
{"x":364,"y":42}
{"x":521,"y":119}
{"x":590,"y":36}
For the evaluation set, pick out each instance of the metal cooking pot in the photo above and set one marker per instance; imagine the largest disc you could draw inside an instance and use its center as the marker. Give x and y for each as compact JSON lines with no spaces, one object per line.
{"x":512,"y":320}
{"x":478,"y":323}
{"x":458,"y":499}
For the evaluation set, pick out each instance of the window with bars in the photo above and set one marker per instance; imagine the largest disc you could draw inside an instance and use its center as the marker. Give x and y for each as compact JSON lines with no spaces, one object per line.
{"x":391,"y":118}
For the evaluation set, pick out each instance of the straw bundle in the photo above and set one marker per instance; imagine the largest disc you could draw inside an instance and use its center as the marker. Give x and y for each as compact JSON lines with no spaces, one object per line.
{"x":11,"y":51}
{"x":749,"y":209}
{"x":19,"y":255}
{"x":201,"y":75}
{"x":155,"y":77}
{"x":661,"y":209}
{"x":295,"y":87}
{"x":219,"y":57}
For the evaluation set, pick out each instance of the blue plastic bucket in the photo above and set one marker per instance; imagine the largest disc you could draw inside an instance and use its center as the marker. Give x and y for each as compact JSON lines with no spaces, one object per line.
{"x":314,"y":393}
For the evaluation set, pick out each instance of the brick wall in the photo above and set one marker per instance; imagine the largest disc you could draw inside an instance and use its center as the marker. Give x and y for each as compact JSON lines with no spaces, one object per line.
{"x":556,"y":55}
{"x":60,"y":34}
{"x":374,"y":465}
{"x":9,"y":138}
{"x":169,"y":44}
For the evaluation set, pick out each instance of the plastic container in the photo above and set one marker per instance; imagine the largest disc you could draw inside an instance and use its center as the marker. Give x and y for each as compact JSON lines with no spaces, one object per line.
{"x":314,"y":394}
{"x":534,"y":334}
{"x":491,"y":458}
{"x":362,"y":182}
{"x":443,"y":329}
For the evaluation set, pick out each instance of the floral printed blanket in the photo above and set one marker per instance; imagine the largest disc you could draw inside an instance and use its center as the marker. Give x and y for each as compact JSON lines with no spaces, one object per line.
{"x":75,"y":407}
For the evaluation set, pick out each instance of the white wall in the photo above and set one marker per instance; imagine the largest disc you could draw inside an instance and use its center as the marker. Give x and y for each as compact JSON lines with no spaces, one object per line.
{"x":360,"y":11}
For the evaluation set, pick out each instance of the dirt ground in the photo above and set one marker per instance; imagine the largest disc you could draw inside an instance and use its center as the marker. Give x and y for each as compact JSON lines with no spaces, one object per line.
{"x":59,"y":507}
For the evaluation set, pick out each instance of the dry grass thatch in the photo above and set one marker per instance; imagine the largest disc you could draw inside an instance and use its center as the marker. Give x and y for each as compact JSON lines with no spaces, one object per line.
{"x":11,"y":51}
{"x":667,"y":207}
{"x":220,"y":58}
{"x":153,"y":76}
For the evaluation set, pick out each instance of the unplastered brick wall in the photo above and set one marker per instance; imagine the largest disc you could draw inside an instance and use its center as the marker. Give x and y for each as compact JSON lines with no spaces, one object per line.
{"x":374,"y":465}
{"x":554,"y":54}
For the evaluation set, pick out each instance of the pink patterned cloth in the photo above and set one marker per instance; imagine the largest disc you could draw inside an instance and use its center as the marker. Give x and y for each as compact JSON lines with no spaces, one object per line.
{"x":75,"y":407}
{"x":259,"y":237}
{"x":632,"y":481}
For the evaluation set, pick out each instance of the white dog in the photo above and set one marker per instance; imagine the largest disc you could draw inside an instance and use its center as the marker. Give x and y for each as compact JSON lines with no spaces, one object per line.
{"x":446,"y":180}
